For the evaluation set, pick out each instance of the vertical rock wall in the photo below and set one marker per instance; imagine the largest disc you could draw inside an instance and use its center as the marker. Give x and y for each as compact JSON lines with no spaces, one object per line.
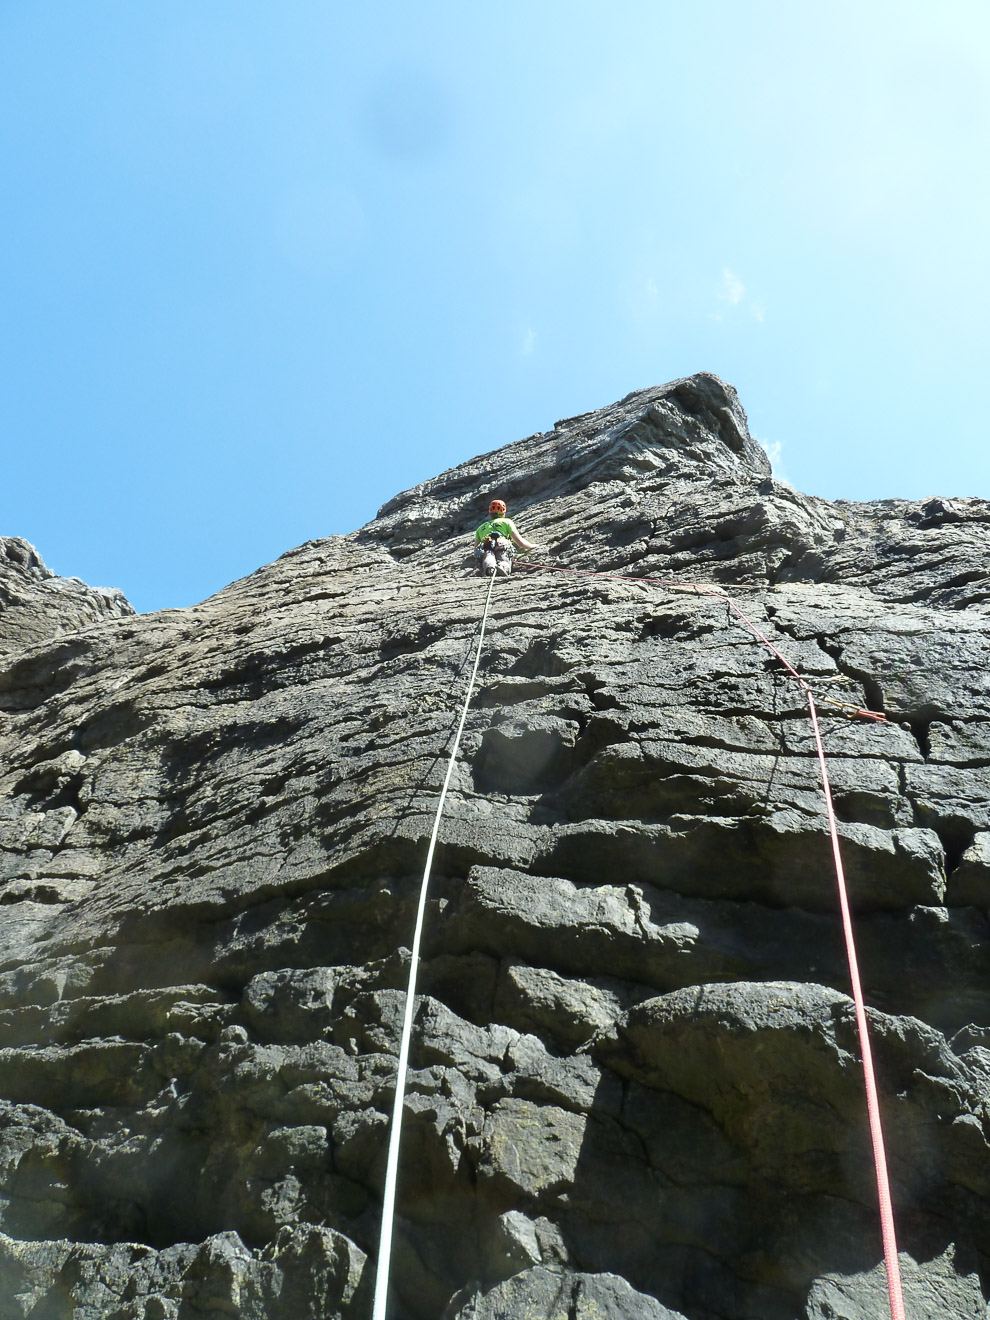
{"x":635,"y":1086}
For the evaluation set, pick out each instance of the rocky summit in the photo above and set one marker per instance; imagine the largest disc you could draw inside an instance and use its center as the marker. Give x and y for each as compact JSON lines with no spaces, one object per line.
{"x":635,"y":1088}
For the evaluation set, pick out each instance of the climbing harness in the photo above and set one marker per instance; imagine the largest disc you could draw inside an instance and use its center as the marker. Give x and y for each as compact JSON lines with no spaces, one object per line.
{"x":894,"y":1291}
{"x":402,"y":1066}
{"x":500,"y":548}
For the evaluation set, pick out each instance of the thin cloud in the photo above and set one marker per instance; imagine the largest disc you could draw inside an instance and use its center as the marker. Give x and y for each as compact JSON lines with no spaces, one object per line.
{"x":733,"y":290}
{"x":772,"y":449}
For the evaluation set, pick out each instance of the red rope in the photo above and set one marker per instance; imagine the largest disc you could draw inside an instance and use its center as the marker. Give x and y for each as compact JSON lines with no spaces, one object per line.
{"x":872,"y":1099}
{"x":869,"y":1077}
{"x":702,"y":589}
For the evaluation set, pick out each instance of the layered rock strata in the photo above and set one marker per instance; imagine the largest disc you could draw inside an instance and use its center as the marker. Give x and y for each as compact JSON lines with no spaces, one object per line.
{"x":635,"y":1086}
{"x":36,"y":604}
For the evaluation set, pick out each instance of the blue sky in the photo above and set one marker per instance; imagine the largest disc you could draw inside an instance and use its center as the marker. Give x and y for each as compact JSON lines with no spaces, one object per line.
{"x":264,"y":265}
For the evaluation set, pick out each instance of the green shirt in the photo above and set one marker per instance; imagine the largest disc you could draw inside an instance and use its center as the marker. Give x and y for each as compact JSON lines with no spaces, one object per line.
{"x":504,"y":526}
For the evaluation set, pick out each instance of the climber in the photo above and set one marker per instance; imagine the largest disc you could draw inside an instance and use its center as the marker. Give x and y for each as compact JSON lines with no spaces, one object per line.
{"x":493,"y":541}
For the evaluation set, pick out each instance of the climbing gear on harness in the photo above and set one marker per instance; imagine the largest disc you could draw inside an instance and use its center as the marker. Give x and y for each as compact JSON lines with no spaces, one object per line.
{"x":497,"y":542}
{"x":494,"y":553}
{"x":497,"y":507}
{"x":402,"y":1065}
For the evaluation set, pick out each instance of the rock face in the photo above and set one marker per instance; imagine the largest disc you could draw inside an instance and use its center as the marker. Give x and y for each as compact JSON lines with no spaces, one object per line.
{"x":35,"y":604}
{"x":635,"y":1090}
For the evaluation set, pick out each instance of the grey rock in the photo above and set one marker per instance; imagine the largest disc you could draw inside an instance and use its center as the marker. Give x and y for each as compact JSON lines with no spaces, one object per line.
{"x":545,"y":1294}
{"x":556,"y":1295}
{"x":36,"y":604}
{"x":970,"y":879}
{"x":515,"y":1245}
{"x":932,"y":1289}
{"x":635,"y":1087}
{"x":310,"y":1272}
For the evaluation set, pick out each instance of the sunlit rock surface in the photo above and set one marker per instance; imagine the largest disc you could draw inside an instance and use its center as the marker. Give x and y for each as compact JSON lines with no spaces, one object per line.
{"x":635,"y":1089}
{"x":36,"y":604}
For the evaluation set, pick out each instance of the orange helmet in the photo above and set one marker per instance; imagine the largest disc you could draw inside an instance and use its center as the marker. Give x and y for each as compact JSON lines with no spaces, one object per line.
{"x":497,"y":507}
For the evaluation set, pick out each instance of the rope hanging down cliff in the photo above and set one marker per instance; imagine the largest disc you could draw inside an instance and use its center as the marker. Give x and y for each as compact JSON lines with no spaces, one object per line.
{"x":872,"y":1101}
{"x":402,"y":1066}
{"x":894,"y":1291}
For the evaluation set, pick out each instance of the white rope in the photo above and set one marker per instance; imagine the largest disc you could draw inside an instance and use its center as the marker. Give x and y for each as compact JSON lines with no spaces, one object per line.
{"x":392,"y":1168}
